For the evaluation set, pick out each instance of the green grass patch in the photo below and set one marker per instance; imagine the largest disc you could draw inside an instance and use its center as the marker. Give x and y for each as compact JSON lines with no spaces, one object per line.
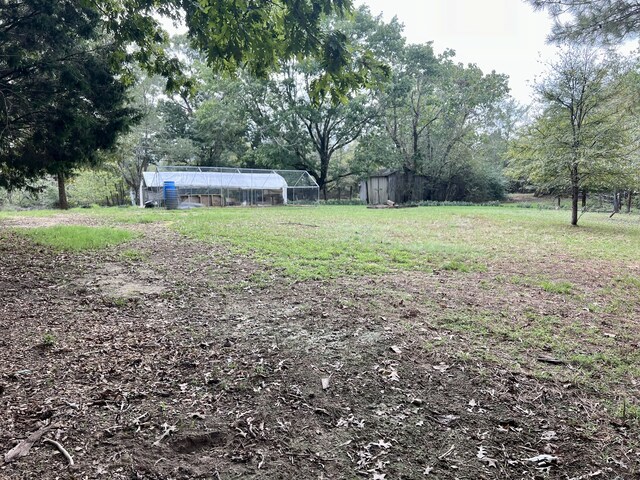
{"x":29,"y":213}
{"x":594,"y":358}
{"x":77,"y":238}
{"x":556,"y":287}
{"x":327,"y":242}
{"x":48,"y":340}
{"x":628,"y":412}
{"x":456,"y":266}
{"x":132,"y":215}
{"x":629,"y":281}
{"x":133,"y":255}
{"x":333,"y":241}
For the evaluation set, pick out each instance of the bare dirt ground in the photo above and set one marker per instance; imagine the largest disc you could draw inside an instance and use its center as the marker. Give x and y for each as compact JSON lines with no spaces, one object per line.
{"x":179,"y":365}
{"x":49,"y":220}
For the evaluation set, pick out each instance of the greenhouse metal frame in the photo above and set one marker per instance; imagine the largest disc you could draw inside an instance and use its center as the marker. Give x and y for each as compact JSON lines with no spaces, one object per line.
{"x":223,"y":186}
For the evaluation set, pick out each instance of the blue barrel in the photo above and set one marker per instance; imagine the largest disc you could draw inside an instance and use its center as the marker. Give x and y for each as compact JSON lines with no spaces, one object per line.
{"x":170,"y":196}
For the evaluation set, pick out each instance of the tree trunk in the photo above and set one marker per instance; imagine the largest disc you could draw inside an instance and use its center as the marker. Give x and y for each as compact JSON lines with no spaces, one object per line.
{"x":407,"y":179}
{"x":575,"y":196}
{"x":325,"y":158}
{"x":616,"y":202}
{"x":629,"y":199}
{"x":558,"y":205}
{"x":62,"y":193}
{"x":584,"y":199}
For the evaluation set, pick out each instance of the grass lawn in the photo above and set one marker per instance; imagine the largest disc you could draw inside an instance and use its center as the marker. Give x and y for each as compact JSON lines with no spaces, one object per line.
{"x":77,"y":237}
{"x":332,"y":241}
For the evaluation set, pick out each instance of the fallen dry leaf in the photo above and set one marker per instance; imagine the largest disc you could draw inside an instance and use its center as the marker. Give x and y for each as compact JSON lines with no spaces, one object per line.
{"x":543,"y":460}
{"x":442,"y":367}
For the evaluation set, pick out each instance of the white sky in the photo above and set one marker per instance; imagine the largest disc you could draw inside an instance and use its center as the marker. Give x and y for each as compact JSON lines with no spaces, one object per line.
{"x":502,"y":35}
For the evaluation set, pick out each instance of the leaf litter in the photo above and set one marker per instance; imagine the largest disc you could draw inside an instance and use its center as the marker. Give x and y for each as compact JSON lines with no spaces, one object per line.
{"x":199,"y":377}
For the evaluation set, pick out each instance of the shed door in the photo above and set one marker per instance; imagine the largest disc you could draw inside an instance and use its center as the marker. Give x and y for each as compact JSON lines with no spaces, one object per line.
{"x":379,"y":190}
{"x":374,"y":193}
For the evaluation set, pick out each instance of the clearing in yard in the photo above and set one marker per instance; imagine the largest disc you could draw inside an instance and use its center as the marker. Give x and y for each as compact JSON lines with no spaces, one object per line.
{"x":320,"y":342}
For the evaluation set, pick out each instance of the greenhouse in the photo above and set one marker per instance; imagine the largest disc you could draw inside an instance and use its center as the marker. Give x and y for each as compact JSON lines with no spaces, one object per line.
{"x":182,"y":186}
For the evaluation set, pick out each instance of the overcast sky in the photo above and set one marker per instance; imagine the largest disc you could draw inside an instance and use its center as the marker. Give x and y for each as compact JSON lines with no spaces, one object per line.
{"x":502,"y":35}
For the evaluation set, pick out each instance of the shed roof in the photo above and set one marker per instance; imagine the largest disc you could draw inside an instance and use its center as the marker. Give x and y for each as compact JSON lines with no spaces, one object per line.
{"x":387,"y":172}
{"x":237,"y":180}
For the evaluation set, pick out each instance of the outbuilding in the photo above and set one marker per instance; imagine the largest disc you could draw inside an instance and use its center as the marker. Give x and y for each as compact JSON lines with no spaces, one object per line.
{"x":219,"y":186}
{"x":393,"y":185}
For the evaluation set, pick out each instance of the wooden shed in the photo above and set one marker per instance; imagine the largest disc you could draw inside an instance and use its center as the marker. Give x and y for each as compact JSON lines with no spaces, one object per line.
{"x":395,"y":185}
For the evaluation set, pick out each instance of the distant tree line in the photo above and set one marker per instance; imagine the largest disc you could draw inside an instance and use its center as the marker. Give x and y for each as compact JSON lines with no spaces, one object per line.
{"x":328,"y":89}
{"x":408,"y":108}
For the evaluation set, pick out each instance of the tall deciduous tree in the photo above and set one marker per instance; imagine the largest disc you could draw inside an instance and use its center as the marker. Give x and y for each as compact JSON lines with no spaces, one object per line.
{"x":61,"y":99}
{"x":433,"y":112}
{"x":579,"y":141}
{"x":310,"y":132}
{"x":134,"y":151}
{"x":219,"y":126}
{"x":295,"y":117}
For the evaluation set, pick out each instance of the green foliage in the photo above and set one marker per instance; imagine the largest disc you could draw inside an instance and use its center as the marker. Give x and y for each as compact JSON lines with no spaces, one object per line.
{"x":43,"y":194}
{"x":259,"y":35}
{"x":48,"y":340}
{"x":376,"y":151}
{"x":133,"y":255}
{"x":455,"y":266}
{"x":97,"y":187}
{"x":296,"y":120}
{"x":61,"y":95}
{"x":582,"y":138}
{"x":66,"y":65}
{"x":134,"y":151}
{"x":77,"y":238}
{"x":220,"y":124}
{"x":593,"y":20}
{"x":440,"y":120}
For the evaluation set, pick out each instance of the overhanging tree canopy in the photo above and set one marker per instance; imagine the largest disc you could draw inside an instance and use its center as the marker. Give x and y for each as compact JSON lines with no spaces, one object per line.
{"x":608,"y":20}
{"x":61,"y":100}
{"x":47,"y":50}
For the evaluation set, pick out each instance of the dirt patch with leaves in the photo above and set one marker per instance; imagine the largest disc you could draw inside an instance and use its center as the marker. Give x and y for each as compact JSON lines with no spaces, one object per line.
{"x":50,"y":220}
{"x":220,"y":368}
